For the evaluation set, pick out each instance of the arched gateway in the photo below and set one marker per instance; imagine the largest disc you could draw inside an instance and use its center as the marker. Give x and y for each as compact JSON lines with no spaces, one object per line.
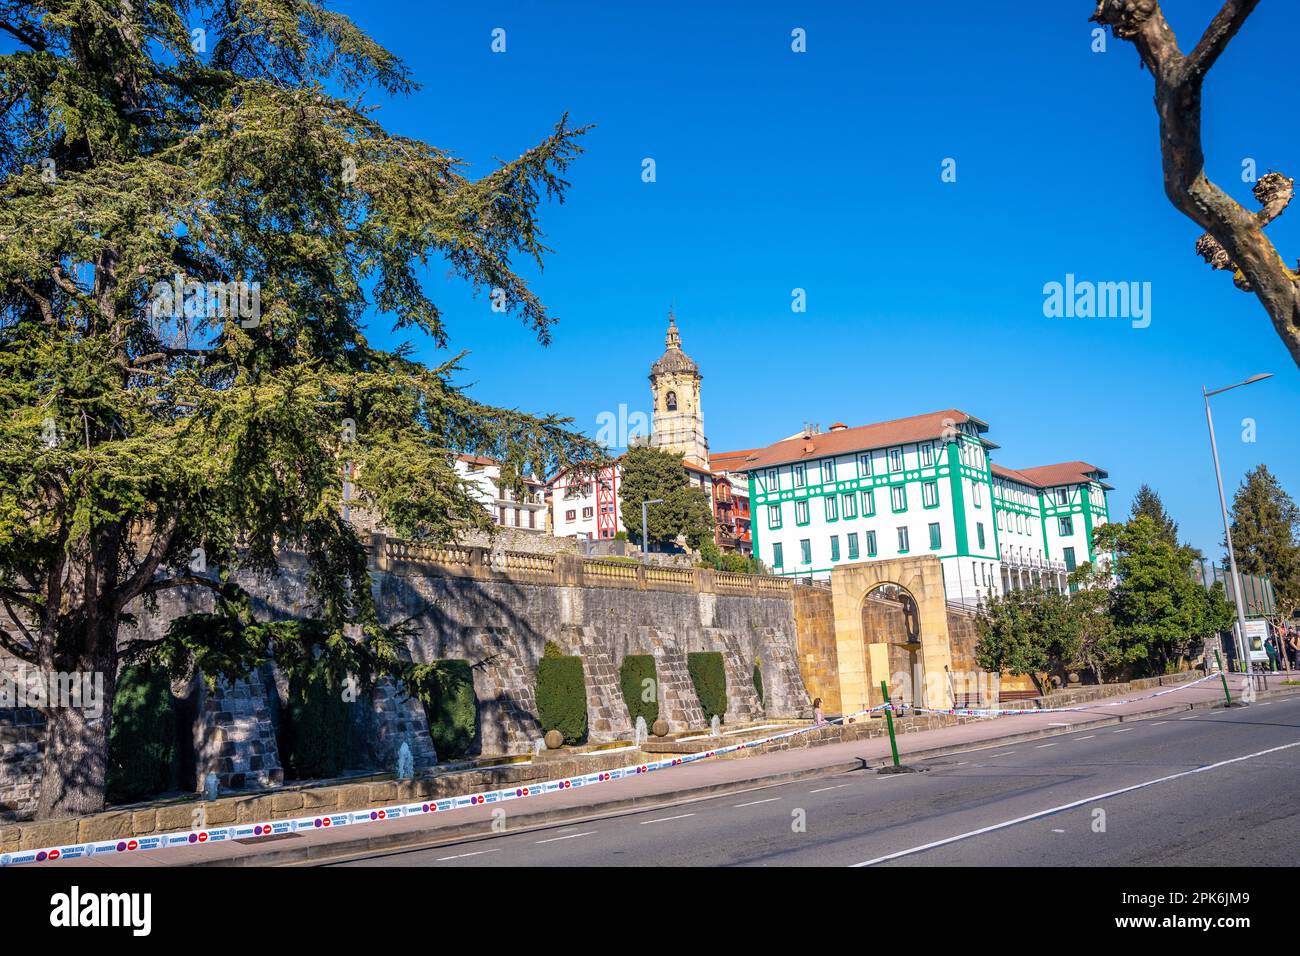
{"x":890,"y":619}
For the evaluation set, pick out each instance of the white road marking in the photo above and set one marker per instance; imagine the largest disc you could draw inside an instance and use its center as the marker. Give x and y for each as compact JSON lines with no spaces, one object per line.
{"x":459,"y":855}
{"x":1193,"y":717}
{"x":1159,"y":722}
{"x":1070,"y":806}
{"x":1089,"y":737}
{"x":754,"y":803}
{"x":824,"y":789}
{"x":1124,"y":730}
{"x":680,"y":816}
{"x":1058,"y":831}
{"x":1041,"y":746}
{"x":1060,"y":725}
{"x":1005,"y":753}
{"x":963,"y":763}
{"x":571,"y":836}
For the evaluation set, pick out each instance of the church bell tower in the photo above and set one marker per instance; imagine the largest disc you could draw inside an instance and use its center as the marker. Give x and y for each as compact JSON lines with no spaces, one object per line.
{"x":678,"y":422}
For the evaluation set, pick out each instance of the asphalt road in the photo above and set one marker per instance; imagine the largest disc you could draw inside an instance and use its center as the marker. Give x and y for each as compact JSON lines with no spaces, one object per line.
{"x":1216,"y":788}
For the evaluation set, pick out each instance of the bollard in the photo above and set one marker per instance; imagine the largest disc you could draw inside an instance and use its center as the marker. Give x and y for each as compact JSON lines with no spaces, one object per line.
{"x":889,"y":721}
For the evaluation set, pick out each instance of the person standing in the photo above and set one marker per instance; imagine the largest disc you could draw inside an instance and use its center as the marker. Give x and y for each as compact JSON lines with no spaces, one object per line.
{"x":1270,"y":648}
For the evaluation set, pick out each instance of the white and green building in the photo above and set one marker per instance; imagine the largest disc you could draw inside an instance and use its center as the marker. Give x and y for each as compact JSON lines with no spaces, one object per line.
{"x":916,"y":486}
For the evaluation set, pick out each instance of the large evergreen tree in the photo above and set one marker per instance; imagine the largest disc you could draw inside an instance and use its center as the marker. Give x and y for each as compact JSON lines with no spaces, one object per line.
{"x":1146,"y":503}
{"x":1158,"y":609}
{"x":149,"y":144}
{"x":1266,"y":536}
{"x":650,"y":473}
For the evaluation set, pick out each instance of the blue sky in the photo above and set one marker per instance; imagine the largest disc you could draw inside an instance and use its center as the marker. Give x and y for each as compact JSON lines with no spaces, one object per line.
{"x":821,"y":171}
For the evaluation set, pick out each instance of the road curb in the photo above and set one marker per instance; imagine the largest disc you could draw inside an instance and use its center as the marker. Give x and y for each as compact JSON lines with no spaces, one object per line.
{"x":322,"y":854}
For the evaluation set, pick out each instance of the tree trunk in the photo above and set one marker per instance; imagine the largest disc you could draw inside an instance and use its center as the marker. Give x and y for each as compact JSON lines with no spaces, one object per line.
{"x":75,"y":768}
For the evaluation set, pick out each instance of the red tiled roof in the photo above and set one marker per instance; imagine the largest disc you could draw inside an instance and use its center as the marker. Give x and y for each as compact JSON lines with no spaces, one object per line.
{"x":730,"y":460}
{"x":845,"y":440}
{"x":1065,"y":473}
{"x":1046,"y":476}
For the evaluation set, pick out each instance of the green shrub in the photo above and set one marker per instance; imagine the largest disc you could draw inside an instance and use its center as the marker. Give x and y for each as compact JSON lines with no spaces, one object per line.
{"x":315,"y":729}
{"x":452,"y":709}
{"x":758,"y":681}
{"x":710,"y":679}
{"x":562,"y":697}
{"x":635,"y":670}
{"x":142,"y":741}
{"x":551,"y":649}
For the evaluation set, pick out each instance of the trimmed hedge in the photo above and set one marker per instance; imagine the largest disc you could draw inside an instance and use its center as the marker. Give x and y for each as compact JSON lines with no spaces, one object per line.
{"x":562,"y":697}
{"x":453,"y":710}
{"x":635,"y":670}
{"x":142,"y":740}
{"x":316,"y":729}
{"x":709,"y":676}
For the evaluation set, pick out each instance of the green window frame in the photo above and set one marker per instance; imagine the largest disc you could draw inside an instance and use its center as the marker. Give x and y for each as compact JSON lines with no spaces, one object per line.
{"x":800,"y":475}
{"x":801,"y":511}
{"x":805,"y":550}
{"x":828,"y":470}
{"x":778,"y":554}
{"x":927,"y":455}
{"x":904,"y":540}
{"x":832,"y":508}
{"x":896,"y":459}
{"x":848,"y":505}
{"x":868,"y":502}
{"x":898,"y":493}
{"x":773,"y":480}
{"x":979,"y":533}
{"x":871,"y":544}
{"x":1065,"y":525}
{"x":936,"y":537}
{"x":773,"y":517}
{"x":853,"y":545}
{"x":835,"y":547}
{"x":864,"y":465}
{"x":930,"y":494}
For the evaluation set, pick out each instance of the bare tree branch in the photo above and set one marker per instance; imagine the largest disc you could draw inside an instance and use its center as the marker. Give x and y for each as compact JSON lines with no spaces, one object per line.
{"x":1235,"y":236}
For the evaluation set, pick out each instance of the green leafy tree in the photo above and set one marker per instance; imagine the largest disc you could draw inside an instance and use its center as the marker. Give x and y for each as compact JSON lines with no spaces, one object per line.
{"x":1159,"y":610}
{"x":138,"y":426}
{"x":1147,"y":504}
{"x":1265,"y":527}
{"x":650,"y":473}
{"x":1028,"y":631}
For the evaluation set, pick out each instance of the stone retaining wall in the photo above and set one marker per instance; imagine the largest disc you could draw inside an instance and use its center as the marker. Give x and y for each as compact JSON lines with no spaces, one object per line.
{"x":496,"y":609}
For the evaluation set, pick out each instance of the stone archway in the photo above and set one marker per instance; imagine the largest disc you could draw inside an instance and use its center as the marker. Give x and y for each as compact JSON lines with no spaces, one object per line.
{"x":891,"y":629}
{"x":864,"y":650}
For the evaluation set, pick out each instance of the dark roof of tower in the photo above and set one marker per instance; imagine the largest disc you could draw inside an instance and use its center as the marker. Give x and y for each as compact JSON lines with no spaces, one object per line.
{"x":673,"y":359}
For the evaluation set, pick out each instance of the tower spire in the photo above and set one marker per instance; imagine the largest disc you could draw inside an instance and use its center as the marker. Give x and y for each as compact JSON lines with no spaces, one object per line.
{"x":674,"y":338}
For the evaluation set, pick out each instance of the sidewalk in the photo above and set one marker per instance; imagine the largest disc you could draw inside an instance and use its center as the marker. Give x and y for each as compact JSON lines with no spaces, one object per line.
{"x":677,"y":783}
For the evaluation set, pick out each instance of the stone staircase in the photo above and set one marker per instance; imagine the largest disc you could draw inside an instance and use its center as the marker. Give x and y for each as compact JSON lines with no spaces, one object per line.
{"x":679,"y":705}
{"x":607,"y":717}
{"x":507,"y":701}
{"x":743,"y":705}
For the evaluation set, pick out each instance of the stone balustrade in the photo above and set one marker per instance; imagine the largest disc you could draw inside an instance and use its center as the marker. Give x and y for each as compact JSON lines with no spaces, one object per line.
{"x":395,"y":555}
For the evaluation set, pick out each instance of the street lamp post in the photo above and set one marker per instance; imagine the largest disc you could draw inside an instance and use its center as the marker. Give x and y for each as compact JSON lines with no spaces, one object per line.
{"x":1223,"y":507}
{"x":645,"y":541}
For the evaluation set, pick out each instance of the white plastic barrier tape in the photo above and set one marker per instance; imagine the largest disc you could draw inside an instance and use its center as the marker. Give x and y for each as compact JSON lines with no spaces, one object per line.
{"x":253,"y":831}
{"x":1011,"y":711}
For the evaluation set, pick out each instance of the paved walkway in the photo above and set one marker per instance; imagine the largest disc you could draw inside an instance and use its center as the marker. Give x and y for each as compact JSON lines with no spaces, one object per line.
{"x":686,"y":781}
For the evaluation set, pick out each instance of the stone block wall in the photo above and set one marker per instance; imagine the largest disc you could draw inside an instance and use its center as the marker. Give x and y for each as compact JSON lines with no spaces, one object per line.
{"x":495,"y":609}
{"x":814,"y":614}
